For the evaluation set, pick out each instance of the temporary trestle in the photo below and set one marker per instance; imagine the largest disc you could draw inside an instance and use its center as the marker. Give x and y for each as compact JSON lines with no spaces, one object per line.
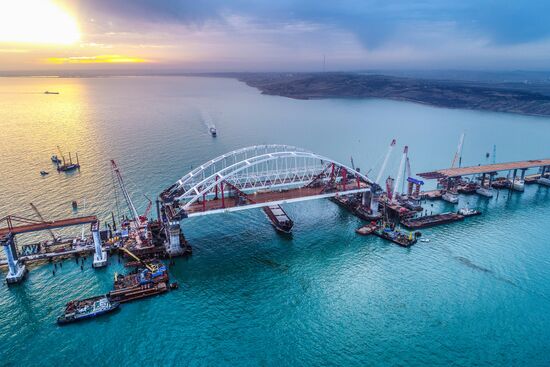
{"x":17,"y":225}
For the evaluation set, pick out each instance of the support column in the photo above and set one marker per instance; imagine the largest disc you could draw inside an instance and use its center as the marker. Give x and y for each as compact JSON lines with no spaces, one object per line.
{"x":223,"y":195}
{"x":100,"y":256}
{"x":173,"y":245}
{"x":16,"y":270}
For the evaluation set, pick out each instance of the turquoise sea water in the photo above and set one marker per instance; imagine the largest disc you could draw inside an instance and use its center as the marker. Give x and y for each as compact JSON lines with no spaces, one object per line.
{"x":477,"y":294}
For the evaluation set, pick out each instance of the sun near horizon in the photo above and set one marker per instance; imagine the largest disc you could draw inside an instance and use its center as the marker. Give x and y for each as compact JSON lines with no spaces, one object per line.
{"x":37,"y":22}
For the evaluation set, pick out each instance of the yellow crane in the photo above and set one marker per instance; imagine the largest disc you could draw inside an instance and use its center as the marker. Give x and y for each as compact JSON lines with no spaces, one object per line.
{"x":152,"y":267}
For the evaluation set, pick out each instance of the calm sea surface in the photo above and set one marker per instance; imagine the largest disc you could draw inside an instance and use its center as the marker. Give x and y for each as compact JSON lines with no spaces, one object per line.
{"x":477,"y":294}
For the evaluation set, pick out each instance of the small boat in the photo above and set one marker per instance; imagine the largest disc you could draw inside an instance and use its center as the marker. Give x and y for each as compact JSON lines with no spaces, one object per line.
{"x":75,"y":205}
{"x":55,"y":159}
{"x":450,"y":197}
{"x":48,"y":92}
{"x":213,"y":131}
{"x":544,"y":181}
{"x":467,"y":212}
{"x":44,"y":173}
{"x":367,"y":229}
{"x":86,"y":308}
{"x":424,"y":240}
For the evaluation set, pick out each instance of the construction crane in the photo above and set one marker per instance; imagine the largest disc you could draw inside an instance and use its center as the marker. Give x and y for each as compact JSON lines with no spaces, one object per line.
{"x":127,"y":198}
{"x":147,"y":210}
{"x":385,"y":163}
{"x":399,"y":174}
{"x":152,"y":267}
{"x":458,"y":155}
{"x":61,"y":154}
{"x":42,"y":219}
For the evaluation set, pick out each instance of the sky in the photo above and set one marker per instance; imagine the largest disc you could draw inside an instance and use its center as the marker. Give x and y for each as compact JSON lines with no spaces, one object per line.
{"x":274,"y":35}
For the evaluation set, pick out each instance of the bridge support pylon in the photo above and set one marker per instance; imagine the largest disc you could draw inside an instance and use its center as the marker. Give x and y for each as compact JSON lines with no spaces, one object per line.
{"x":16,"y":270}
{"x":173,"y":245}
{"x":100,"y":256}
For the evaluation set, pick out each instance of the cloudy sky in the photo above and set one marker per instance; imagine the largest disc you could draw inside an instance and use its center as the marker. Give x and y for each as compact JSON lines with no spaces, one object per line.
{"x":216,"y":35}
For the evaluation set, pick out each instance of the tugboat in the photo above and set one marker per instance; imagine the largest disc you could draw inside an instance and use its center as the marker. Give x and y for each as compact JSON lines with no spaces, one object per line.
{"x":467,"y":212}
{"x":213,"y":131}
{"x":279,"y":218}
{"x":86,"y":308}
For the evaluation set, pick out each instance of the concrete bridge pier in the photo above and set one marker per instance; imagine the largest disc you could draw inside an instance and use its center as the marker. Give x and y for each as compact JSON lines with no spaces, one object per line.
{"x":173,"y":245}
{"x":543,"y":172}
{"x":100,"y":256}
{"x":16,"y":270}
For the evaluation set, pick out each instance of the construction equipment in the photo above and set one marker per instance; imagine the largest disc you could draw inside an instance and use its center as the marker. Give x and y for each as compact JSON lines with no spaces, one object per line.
{"x":458,"y":155}
{"x":54,"y":238}
{"x":152,"y":267}
{"x":147,"y":210}
{"x":127,"y":198}
{"x":385,"y":163}
{"x":61,"y":154}
{"x":399,"y":174}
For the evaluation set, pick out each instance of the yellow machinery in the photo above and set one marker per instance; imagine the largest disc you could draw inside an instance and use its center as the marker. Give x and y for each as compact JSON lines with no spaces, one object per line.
{"x":152,"y":267}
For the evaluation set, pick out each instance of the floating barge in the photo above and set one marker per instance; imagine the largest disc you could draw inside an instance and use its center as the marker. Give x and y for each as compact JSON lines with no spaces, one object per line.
{"x":278,"y":218}
{"x":142,"y":283}
{"x":396,"y":236}
{"x":432,"y":220}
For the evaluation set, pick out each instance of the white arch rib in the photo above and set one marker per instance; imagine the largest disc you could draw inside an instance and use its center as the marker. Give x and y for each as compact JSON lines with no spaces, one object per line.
{"x":204,"y":186}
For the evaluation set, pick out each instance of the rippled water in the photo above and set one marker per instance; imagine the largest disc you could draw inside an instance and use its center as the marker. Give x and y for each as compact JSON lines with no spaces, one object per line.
{"x":477,"y":293}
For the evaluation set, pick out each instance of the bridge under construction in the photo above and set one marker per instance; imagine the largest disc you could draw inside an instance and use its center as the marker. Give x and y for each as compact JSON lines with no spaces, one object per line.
{"x":267,"y":176}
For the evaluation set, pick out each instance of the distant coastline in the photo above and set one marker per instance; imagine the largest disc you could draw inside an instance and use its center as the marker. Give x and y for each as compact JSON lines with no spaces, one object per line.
{"x":497,"y":97}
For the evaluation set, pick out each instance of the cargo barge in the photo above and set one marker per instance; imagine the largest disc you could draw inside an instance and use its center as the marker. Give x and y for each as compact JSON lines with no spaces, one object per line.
{"x":396,"y":236}
{"x":278,"y":218}
{"x":432,"y":220}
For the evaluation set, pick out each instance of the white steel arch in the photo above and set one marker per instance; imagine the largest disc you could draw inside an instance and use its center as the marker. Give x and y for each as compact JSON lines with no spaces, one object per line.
{"x":225,"y":160}
{"x":274,"y":177}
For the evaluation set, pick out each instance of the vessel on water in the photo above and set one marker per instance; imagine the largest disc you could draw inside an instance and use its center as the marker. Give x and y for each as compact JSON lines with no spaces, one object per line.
{"x":278,"y":218}
{"x":44,"y":173}
{"x":367,"y":229}
{"x":544,"y":181}
{"x":432,"y":220}
{"x":79,"y":310}
{"x":396,"y":236}
{"x":467,"y":212}
{"x":48,"y":92}
{"x":213,"y":131}
{"x":55,"y":159}
{"x":450,"y":197}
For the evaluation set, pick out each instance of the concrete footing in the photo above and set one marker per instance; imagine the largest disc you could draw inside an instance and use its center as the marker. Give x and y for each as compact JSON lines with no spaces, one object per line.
{"x":100,"y":261}
{"x":13,"y":278}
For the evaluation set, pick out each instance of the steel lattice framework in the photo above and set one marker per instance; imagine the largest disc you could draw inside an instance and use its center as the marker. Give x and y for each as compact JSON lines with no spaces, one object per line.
{"x":259,"y":169}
